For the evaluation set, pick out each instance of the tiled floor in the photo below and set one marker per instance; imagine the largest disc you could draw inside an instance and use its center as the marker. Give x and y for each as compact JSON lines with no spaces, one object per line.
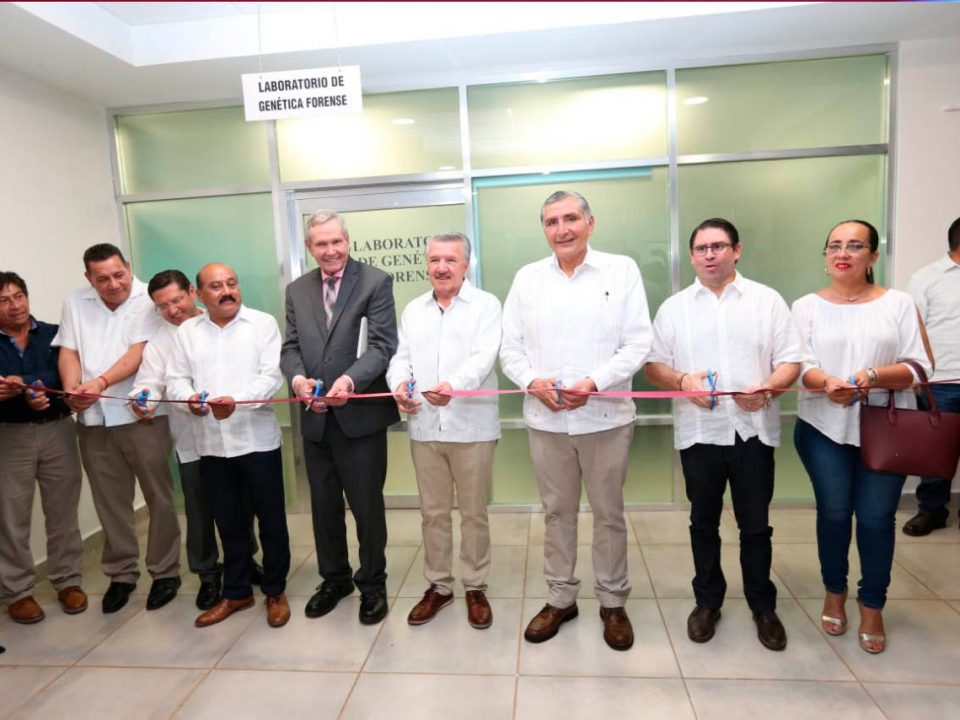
{"x":157,"y":665}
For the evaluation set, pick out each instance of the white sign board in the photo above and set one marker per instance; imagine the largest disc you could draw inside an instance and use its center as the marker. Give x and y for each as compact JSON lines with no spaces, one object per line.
{"x":302,"y":93}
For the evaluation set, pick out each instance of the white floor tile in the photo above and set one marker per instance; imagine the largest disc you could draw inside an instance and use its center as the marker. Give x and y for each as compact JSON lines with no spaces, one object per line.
{"x":61,"y":639}
{"x":907,"y":702}
{"x":936,"y":566}
{"x":735,"y":653}
{"x":448,"y":644}
{"x":18,"y":684}
{"x":414,"y":697}
{"x":784,"y":700}
{"x":579,"y":648}
{"x":168,"y":638}
{"x":921,"y":643}
{"x":793,"y":525}
{"x":671,"y":569}
{"x":231,"y":694}
{"x":336,"y":641}
{"x":592,"y":698}
{"x":98,"y":693}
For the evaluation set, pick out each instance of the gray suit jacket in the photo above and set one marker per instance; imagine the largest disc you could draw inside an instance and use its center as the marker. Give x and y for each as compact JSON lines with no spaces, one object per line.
{"x":315,"y":352}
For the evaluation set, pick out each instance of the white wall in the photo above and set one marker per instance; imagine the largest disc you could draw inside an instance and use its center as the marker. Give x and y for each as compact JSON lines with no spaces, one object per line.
{"x":927,"y":153}
{"x":56,"y":199}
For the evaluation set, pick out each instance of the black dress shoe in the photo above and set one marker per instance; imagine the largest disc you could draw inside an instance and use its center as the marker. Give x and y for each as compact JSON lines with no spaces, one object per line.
{"x":373,"y":607}
{"x":924,"y":523}
{"x":116,"y":596}
{"x":770,"y":630}
{"x":162,"y":591}
{"x":326,"y":598}
{"x":702,"y":623}
{"x":209,"y":594}
{"x":256,"y":574}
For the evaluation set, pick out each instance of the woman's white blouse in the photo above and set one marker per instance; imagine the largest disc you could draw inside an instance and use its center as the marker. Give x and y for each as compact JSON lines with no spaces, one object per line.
{"x":842,"y":339}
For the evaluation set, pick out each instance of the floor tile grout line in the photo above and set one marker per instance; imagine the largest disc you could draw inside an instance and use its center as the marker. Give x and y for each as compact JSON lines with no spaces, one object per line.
{"x":38,"y":691}
{"x":523,"y":596}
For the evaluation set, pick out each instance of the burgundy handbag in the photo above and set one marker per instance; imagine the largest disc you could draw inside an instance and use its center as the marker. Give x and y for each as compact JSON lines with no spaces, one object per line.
{"x":910,"y":442}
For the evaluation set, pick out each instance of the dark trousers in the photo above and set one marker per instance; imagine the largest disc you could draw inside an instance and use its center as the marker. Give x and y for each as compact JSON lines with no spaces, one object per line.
{"x":933,"y":494}
{"x":203,"y":555}
{"x":259,"y":476}
{"x":356,"y":467}
{"x":748,"y":465}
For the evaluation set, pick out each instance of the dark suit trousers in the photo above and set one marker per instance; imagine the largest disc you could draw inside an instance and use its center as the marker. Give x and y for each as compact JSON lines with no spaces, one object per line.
{"x":356,"y":467}
{"x":748,"y":465}
{"x":259,"y":477}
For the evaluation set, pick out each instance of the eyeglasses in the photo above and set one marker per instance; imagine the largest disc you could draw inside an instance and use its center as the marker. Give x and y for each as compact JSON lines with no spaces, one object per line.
{"x":715,"y":248}
{"x":853,"y":248}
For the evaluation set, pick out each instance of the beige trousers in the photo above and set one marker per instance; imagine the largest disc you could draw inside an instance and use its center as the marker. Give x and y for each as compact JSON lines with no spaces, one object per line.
{"x":112,"y":456}
{"x":599,"y":460}
{"x":44,"y":455}
{"x":442,"y":467}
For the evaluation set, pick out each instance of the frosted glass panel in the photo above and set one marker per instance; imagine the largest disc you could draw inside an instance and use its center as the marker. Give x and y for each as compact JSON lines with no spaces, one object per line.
{"x":177,"y":151}
{"x":398,"y":133}
{"x":778,"y":106}
{"x":591,"y":119}
{"x":783,"y":210}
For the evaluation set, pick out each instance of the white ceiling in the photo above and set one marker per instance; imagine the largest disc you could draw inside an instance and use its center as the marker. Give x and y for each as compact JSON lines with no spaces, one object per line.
{"x":129,"y":54}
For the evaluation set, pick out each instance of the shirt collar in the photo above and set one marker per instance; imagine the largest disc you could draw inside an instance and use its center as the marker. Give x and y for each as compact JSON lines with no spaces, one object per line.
{"x":466,"y":294}
{"x":137,"y":288}
{"x":591,"y":259}
{"x":947,"y":264}
{"x":737,"y":284}
{"x":324,"y":277}
{"x":242,"y":315}
{"x":33,"y":326}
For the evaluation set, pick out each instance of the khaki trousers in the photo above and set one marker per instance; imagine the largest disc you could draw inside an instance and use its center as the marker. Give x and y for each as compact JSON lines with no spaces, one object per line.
{"x":599,"y":459}
{"x":112,"y":456}
{"x":442,"y":467}
{"x":45,"y":455}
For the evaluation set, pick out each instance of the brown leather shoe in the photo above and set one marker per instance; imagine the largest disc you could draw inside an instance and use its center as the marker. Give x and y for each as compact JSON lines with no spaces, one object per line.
{"x":278,"y":610}
{"x":479,"y":614}
{"x":26,"y":611}
{"x":222,"y":610}
{"x":72,"y":599}
{"x":702,"y":623}
{"x":433,"y":601}
{"x":547,"y":622}
{"x":617,"y":630}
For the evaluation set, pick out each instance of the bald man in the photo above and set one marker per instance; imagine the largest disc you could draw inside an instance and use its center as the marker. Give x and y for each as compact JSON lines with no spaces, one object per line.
{"x":231,"y":353}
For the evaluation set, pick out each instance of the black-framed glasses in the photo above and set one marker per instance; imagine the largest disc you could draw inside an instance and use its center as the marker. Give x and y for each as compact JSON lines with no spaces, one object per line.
{"x":716,"y":248}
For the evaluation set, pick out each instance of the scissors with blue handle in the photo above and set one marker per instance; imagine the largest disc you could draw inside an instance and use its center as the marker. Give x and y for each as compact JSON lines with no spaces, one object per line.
{"x":318,"y":389}
{"x":411,"y":386}
{"x":559,"y":386}
{"x":141,"y":399}
{"x":712,"y":379}
{"x":203,"y":399}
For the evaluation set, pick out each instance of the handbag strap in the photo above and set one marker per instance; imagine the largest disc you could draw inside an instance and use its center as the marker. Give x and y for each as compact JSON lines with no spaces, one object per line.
{"x":925,"y":386}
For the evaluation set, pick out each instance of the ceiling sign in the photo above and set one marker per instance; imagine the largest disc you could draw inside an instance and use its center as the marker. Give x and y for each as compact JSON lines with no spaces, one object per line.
{"x":302,"y":93}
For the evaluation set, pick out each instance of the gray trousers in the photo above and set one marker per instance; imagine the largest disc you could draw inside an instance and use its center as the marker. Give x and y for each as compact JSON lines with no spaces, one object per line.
{"x":44,"y":455}
{"x":115,"y":458}
{"x":203,"y":555}
{"x":599,"y":459}
{"x":442,"y":467}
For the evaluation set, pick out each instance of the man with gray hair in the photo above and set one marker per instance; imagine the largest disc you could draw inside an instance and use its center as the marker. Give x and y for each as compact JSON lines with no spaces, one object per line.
{"x":574,"y":323}
{"x":342,"y":331}
{"x":449,"y":339}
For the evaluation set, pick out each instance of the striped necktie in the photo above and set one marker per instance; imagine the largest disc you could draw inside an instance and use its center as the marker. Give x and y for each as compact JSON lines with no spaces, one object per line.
{"x":330,"y":297}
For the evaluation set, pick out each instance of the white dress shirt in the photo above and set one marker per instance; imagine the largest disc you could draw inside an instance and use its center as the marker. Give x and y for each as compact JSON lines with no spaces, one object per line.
{"x":936,"y":290}
{"x":841,"y":339}
{"x":101,"y":336}
{"x":742,"y":336}
{"x":594,"y":324}
{"x":240,"y":360}
{"x":459,"y":346}
{"x":151,"y":376}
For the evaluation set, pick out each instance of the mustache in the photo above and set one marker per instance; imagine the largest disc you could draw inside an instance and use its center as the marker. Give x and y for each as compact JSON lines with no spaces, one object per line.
{"x":227,"y":298}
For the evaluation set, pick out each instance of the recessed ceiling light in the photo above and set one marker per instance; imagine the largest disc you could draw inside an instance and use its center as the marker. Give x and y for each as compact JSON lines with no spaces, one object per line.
{"x":403,"y":121}
{"x":447,"y":167}
{"x":696,"y":100}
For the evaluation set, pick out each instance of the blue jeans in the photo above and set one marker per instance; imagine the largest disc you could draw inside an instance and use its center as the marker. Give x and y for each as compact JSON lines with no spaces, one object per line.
{"x":844,"y":487}
{"x":933,"y":494}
